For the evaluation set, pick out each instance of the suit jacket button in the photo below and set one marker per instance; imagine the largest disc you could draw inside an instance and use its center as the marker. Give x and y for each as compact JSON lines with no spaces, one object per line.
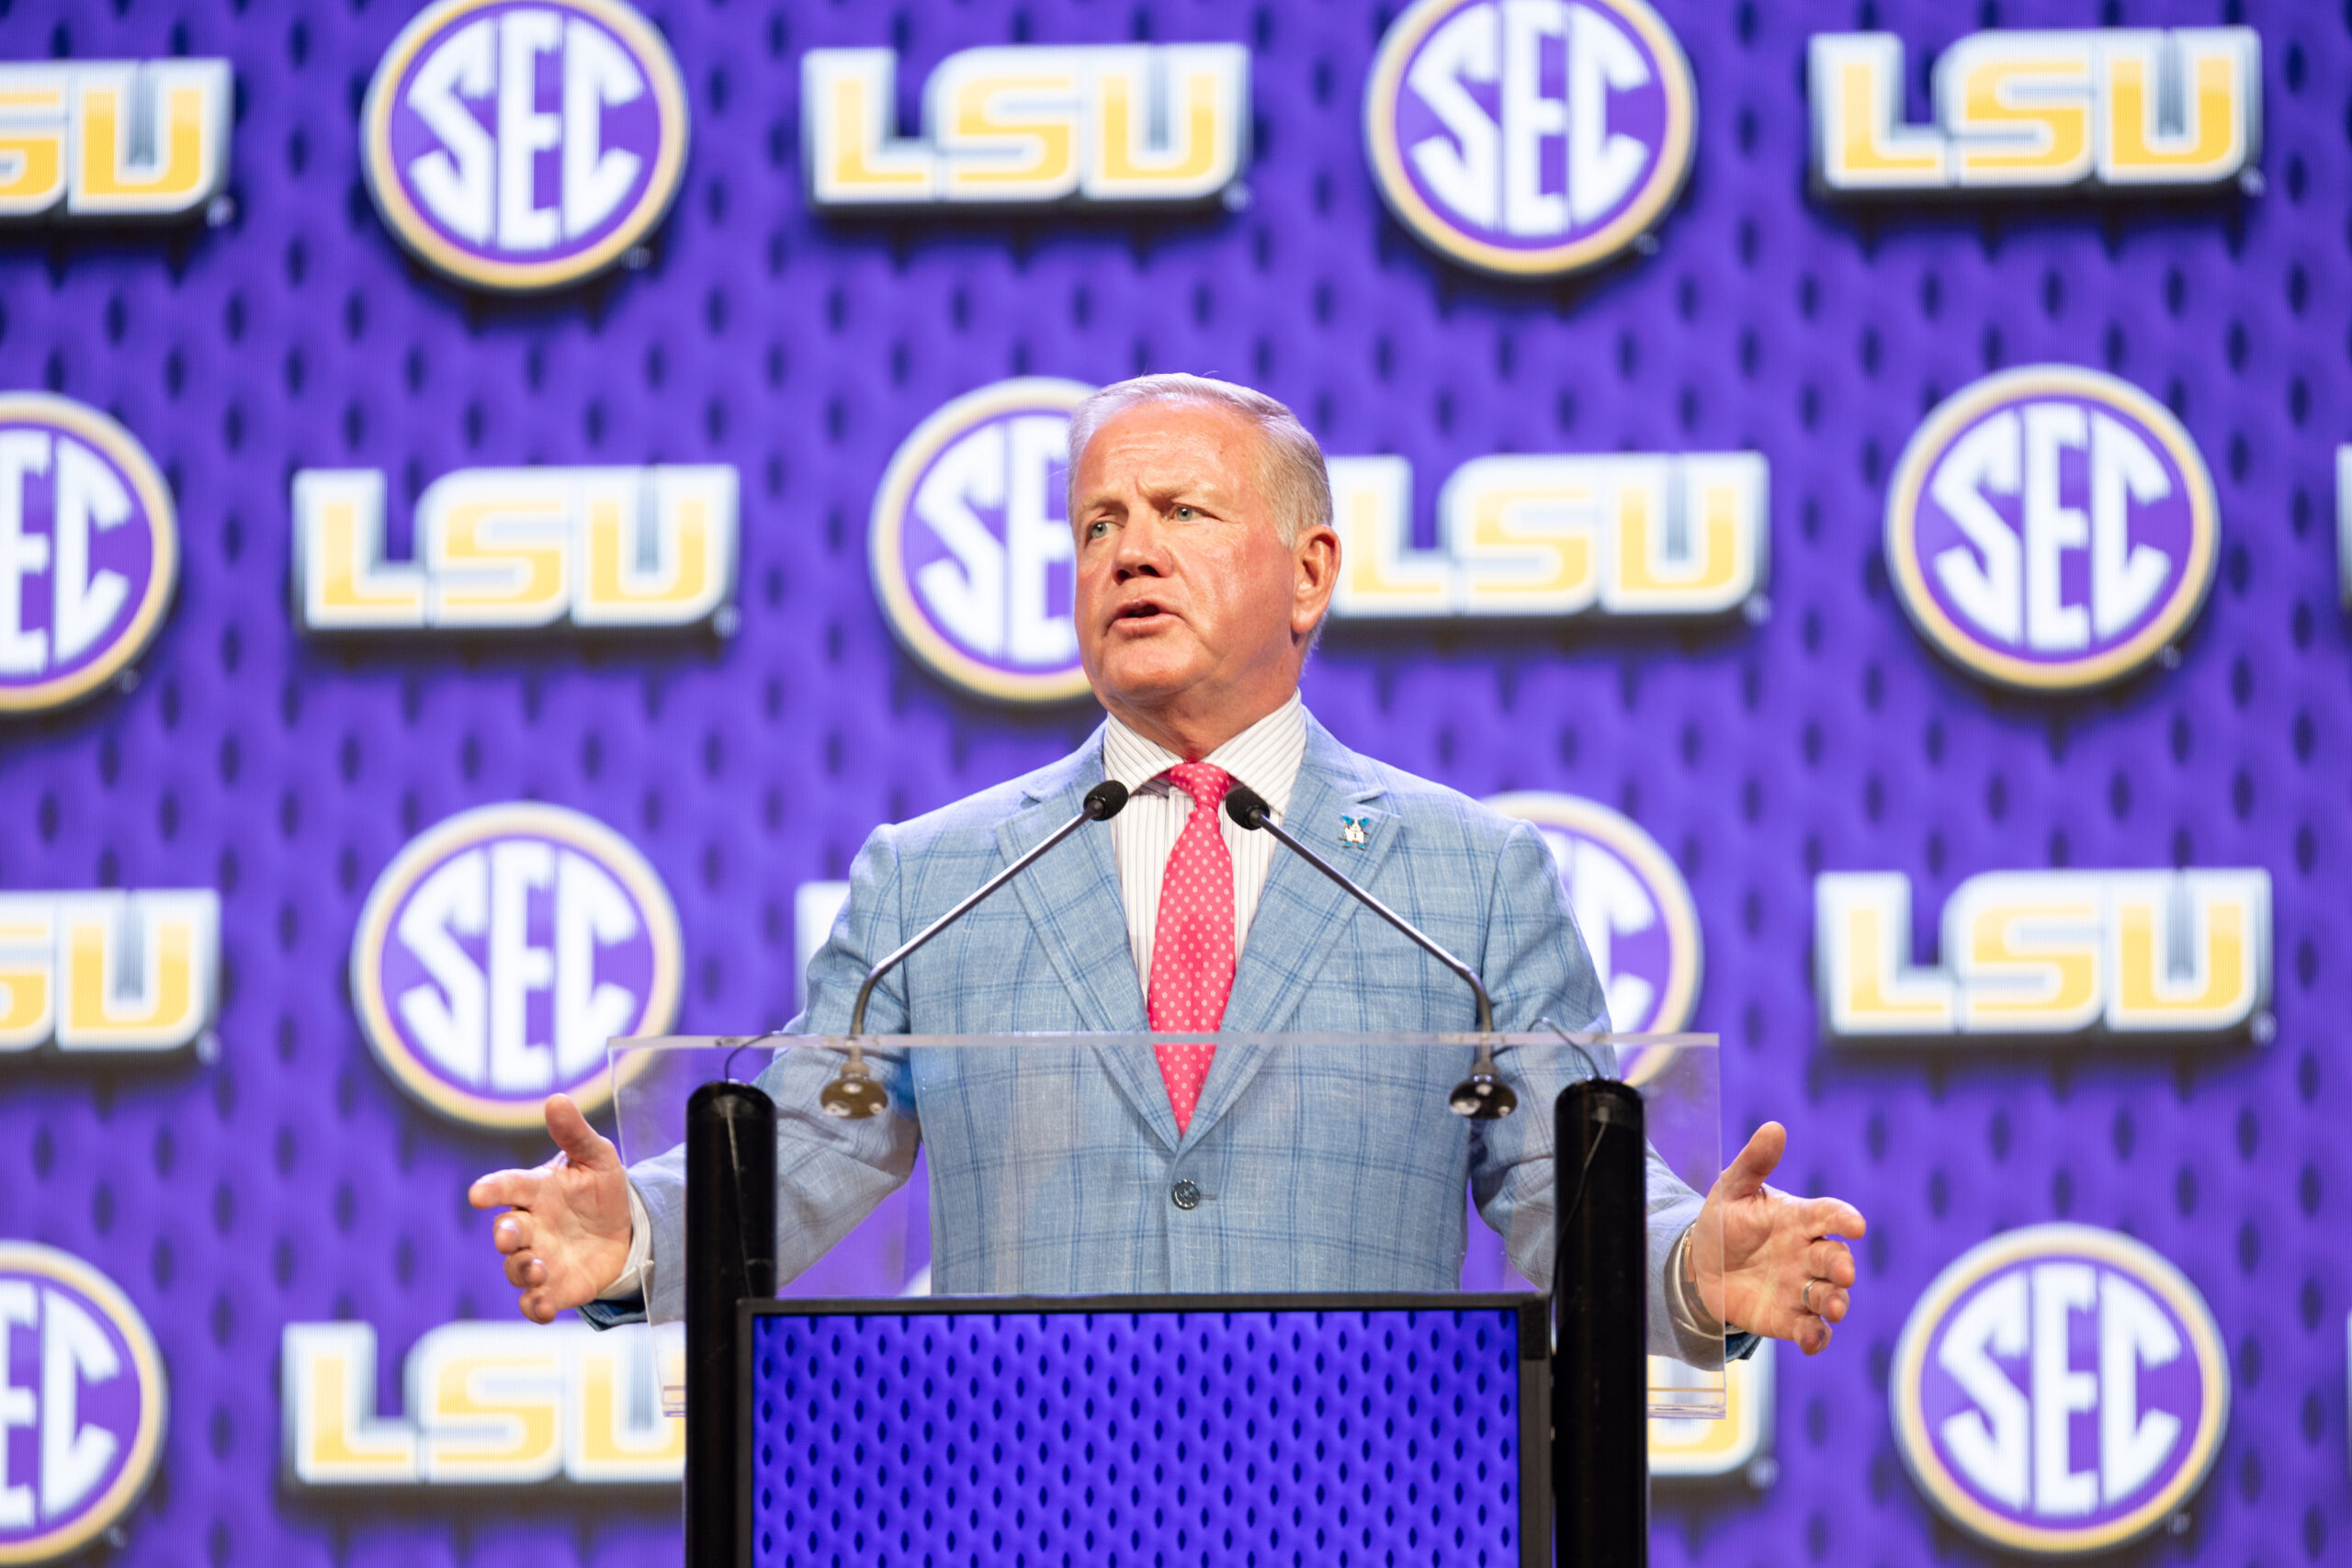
{"x":1186,"y":1195}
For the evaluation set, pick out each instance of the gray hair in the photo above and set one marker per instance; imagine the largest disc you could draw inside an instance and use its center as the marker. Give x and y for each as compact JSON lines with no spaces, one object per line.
{"x":1290,"y":462}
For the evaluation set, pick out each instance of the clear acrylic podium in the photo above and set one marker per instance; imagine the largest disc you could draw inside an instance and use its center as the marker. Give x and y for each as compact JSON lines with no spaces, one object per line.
{"x":1016,"y":1306}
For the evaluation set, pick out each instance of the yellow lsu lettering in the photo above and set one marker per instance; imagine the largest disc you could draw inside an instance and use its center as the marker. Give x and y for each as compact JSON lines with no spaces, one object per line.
{"x":2056,"y":953}
{"x":2018,"y":110}
{"x":107,"y":971}
{"x":1025,"y":124}
{"x":1555,"y":536}
{"x":488,"y":1404}
{"x":113,"y":139}
{"x":519,"y":548}
{"x":2120,"y":108}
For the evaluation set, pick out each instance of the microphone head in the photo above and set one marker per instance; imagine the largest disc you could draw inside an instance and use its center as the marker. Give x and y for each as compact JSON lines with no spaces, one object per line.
{"x":1247,"y":806}
{"x":1105,"y":800}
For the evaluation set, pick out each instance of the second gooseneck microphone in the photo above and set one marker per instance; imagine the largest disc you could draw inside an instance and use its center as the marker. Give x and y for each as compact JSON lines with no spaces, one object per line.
{"x":853,"y":1095}
{"x":1482,"y":1096}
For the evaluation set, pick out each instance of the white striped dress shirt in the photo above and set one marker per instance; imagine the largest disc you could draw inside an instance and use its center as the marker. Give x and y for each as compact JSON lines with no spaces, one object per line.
{"x":1266,"y":757}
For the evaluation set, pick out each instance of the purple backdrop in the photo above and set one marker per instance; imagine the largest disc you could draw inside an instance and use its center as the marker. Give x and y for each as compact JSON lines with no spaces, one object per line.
{"x":290,"y":1181}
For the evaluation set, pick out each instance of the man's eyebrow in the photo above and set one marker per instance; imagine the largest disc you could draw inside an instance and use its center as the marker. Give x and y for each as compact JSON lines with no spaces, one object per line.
{"x":1204,"y":491}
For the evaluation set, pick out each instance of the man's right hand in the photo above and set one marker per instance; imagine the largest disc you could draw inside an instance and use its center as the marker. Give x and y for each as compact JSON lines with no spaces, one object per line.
{"x":566,"y":1233}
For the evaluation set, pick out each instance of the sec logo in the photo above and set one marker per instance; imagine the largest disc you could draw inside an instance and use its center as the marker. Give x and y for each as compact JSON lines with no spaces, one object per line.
{"x":83,"y":1403}
{"x":970,"y":542}
{"x":1530,"y":137}
{"x":2060,"y":1390}
{"x":525,"y":144}
{"x":2052,"y":527}
{"x":498,"y":952}
{"x":1631,"y":904}
{"x":89,"y":550}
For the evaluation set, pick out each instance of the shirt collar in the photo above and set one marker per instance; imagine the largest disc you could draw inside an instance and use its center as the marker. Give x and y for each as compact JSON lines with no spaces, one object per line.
{"x":1266,"y":756}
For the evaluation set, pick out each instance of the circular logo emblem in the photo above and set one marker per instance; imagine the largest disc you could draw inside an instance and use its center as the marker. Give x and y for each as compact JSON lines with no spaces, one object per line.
{"x":971,"y":545}
{"x":1631,"y":904}
{"x":501,"y":949}
{"x":2052,"y":527}
{"x":81,"y":1403}
{"x":89,"y":550}
{"x":1530,"y":137}
{"x":525,"y":144}
{"x":2059,"y":1390}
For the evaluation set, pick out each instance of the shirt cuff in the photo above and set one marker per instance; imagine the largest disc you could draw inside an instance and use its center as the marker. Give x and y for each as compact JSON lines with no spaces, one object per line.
{"x":637,"y":1275}
{"x":1682,"y":1298}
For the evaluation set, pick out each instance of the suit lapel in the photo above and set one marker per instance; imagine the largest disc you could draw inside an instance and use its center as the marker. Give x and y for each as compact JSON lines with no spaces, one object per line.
{"x":1072,"y":899}
{"x":1301,"y":915}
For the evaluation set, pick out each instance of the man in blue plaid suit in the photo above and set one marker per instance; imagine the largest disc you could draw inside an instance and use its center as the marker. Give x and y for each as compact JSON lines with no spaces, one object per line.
{"x":1206,"y":562}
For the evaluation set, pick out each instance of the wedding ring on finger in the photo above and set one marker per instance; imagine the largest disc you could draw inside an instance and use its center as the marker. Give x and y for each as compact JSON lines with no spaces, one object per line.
{"x":1805,"y":1297}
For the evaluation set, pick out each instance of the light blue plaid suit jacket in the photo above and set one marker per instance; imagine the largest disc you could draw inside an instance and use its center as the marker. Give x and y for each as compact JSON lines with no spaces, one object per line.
{"x":1052,"y":1165}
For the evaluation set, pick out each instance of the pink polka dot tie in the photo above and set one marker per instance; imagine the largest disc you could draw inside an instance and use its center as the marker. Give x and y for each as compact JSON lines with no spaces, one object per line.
{"x":1192,"y":946}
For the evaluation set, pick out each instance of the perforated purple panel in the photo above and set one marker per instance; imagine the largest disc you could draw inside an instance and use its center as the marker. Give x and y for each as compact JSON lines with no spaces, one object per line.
{"x":1277,"y":1438}
{"x":291,"y":1182}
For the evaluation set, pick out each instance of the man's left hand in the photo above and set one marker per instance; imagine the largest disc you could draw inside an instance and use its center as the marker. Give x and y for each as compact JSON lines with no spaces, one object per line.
{"x":1779,"y":1269}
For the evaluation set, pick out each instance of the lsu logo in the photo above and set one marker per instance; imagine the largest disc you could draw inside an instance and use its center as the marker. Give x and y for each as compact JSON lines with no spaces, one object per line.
{"x":498,"y":548}
{"x":89,"y":550}
{"x":505,"y":1404}
{"x":498,"y":952}
{"x":1125,"y":124}
{"x":2060,"y":1390}
{"x":2051,"y":528}
{"x":83,"y":1403}
{"x":2064,"y":952}
{"x":1631,"y":904}
{"x":1555,"y":536}
{"x":524,"y":146}
{"x":1530,"y":137}
{"x":970,"y":542}
{"x":113,"y":139}
{"x":2119,"y":110}
{"x":100,"y":972}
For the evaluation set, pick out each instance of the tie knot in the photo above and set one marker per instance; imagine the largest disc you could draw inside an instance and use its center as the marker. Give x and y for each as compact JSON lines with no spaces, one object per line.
{"x":1205,"y":782}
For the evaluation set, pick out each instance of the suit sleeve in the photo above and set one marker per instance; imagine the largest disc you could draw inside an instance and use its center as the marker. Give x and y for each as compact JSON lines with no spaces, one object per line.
{"x":830,"y":1173}
{"x":1541,"y":970}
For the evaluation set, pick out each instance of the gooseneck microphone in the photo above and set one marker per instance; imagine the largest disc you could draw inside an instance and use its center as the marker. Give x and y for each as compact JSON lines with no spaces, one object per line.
{"x":853,"y":1095}
{"x":1482,"y":1096}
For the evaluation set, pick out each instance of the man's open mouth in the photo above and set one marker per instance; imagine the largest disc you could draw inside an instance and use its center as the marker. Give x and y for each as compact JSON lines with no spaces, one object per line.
{"x":1142,"y":610}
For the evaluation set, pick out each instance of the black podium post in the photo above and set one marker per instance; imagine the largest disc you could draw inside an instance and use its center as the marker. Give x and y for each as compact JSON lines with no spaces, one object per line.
{"x":1599,"y":1383}
{"x":730,"y":1254}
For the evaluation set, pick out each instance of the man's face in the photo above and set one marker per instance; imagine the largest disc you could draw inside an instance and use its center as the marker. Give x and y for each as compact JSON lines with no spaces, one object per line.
{"x":1187,"y":597}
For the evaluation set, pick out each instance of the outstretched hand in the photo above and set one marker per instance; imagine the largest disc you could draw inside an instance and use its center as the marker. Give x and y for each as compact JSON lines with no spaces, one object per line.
{"x":566,"y":1234}
{"x":1780,"y":1269}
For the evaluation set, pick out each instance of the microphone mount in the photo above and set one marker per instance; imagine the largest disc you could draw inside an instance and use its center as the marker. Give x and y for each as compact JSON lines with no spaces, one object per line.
{"x":1482,"y":1096}
{"x":853,"y":1095}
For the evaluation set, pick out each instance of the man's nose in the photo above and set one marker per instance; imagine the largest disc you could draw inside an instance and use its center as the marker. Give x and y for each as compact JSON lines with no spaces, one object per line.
{"x":1142,"y":549}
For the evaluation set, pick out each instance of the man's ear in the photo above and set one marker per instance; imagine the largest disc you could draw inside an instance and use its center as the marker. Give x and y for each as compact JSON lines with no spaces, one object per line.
{"x":1316,"y":572}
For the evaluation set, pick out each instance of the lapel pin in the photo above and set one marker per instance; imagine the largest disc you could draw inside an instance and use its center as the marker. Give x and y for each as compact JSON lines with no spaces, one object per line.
{"x":1351,"y":831}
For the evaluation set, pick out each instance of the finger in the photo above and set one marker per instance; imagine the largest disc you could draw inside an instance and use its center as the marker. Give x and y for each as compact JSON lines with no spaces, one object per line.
{"x":1829,"y":1260}
{"x":505,"y":1188}
{"x":1830,"y":1304}
{"x":1813,"y":1335}
{"x":1744,"y":1177}
{"x":535,"y":1306}
{"x":512,"y":1233}
{"x":1833,"y":1216}
{"x":581,"y":1144}
{"x":516,"y":1266}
